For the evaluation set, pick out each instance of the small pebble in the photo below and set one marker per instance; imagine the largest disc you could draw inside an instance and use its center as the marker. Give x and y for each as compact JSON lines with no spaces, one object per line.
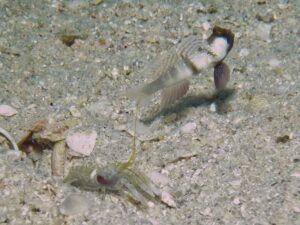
{"x":189,"y":128}
{"x":115,"y":73}
{"x":244,"y":52}
{"x":274,"y":63}
{"x":74,"y":204}
{"x":236,"y":183}
{"x":152,"y":39}
{"x":127,"y":69}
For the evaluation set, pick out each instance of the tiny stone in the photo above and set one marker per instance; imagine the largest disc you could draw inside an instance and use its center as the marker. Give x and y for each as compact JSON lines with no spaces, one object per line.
{"x":236,"y":201}
{"x":115,"y":72}
{"x":74,"y":204}
{"x":260,"y":2}
{"x":266,"y":18}
{"x":263,"y":31}
{"x":207,"y":212}
{"x":274,"y":63}
{"x":152,"y":39}
{"x":127,"y":69}
{"x":236,"y":183}
{"x":244,"y":52}
{"x":102,"y":41}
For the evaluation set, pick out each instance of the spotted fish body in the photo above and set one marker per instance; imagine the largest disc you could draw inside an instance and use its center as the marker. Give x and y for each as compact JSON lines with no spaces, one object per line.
{"x":190,"y":57}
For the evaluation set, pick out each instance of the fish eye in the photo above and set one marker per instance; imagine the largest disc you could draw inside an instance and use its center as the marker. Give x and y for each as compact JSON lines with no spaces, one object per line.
{"x":102,"y":180}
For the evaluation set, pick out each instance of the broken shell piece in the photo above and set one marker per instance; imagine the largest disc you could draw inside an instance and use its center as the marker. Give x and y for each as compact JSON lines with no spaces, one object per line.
{"x":75,"y":112}
{"x":189,"y":128}
{"x":159,"y":178}
{"x":6,"y":110}
{"x":75,"y":204}
{"x":168,"y":199}
{"x":82,"y":142}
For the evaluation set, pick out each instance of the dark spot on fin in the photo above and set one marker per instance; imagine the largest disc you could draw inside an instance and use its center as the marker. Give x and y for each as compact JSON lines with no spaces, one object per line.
{"x":221,"y":75}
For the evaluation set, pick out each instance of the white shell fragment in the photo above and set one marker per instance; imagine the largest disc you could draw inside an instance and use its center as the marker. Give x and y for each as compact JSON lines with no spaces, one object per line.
{"x":213,"y":107}
{"x":75,"y":112}
{"x":189,"y":128}
{"x":168,"y":199}
{"x":159,"y":178}
{"x":82,"y":142}
{"x":74,"y":204}
{"x":6,"y":110}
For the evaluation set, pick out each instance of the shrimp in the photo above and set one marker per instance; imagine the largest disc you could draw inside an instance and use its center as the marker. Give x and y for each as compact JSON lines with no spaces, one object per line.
{"x":118,"y":177}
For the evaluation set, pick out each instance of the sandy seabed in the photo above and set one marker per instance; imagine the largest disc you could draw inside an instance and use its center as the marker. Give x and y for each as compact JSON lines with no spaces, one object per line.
{"x":229,"y":158}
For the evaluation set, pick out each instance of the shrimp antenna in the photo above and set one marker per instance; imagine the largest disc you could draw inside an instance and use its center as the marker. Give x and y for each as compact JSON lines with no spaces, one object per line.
{"x":132,"y":157}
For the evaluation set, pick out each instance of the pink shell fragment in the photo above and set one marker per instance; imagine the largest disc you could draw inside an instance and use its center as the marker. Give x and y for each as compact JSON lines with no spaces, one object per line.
{"x":168,"y":199}
{"x":82,"y":142}
{"x":6,"y":110}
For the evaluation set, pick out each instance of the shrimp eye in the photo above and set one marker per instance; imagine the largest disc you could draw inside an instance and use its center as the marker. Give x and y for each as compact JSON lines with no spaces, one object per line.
{"x":102,"y":180}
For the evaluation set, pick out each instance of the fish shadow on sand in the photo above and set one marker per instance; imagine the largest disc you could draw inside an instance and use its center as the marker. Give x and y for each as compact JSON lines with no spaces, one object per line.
{"x":219,"y":97}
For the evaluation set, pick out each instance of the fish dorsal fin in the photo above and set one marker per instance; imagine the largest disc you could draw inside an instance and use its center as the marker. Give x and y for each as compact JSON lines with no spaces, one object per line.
{"x":170,"y":58}
{"x":190,"y":45}
{"x":170,"y":94}
{"x":162,"y":64}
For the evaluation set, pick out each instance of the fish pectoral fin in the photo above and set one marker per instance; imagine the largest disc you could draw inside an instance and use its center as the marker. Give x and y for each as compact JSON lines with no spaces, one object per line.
{"x":221,"y":75}
{"x":172,"y":93}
